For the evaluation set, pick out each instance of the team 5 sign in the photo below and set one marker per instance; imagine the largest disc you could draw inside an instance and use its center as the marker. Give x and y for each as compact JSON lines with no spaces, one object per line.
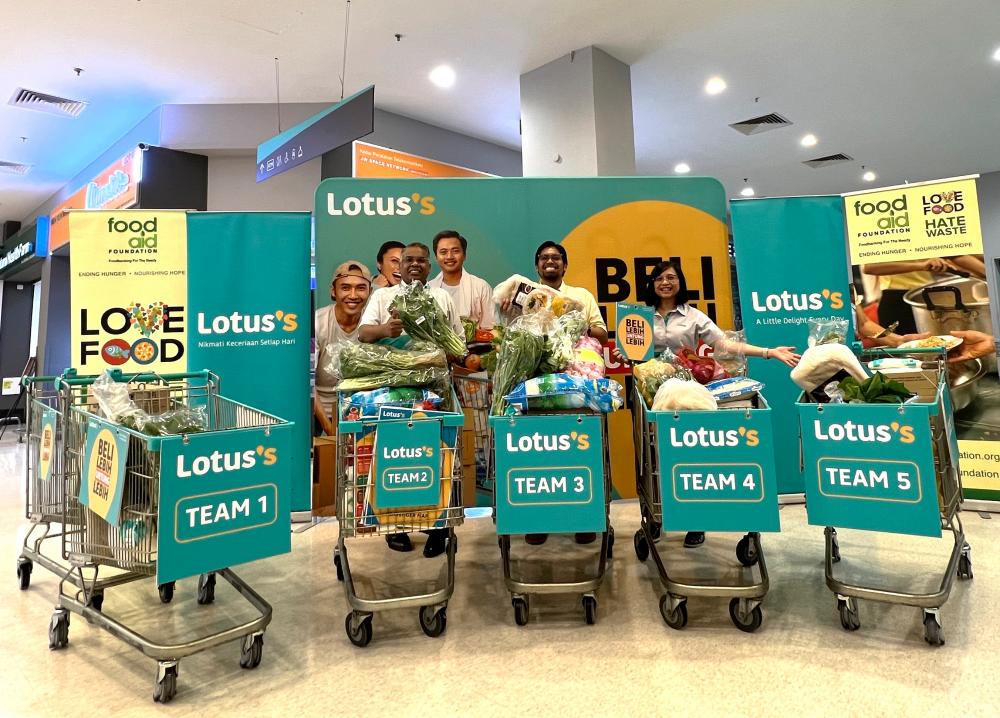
{"x":549,"y":474}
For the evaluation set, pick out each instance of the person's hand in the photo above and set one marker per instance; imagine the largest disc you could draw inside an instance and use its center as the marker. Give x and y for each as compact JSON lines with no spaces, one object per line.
{"x":505,"y":305}
{"x":975,"y":344}
{"x":617,"y":356}
{"x":895,"y":340}
{"x":392,"y":328}
{"x":786,"y":355}
{"x":936,"y":265}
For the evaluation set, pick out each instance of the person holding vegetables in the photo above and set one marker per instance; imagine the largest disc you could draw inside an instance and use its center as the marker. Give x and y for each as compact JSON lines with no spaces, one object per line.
{"x":677,"y":324}
{"x":380,"y":322}
{"x":472,"y":296}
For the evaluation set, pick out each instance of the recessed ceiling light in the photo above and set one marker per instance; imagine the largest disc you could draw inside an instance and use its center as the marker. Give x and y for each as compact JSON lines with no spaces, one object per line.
{"x":868,"y":176}
{"x":715,"y":85}
{"x":809,"y":140}
{"x":996,"y":54}
{"x":747,"y":192}
{"x":443,"y":76}
{"x":682,"y":168}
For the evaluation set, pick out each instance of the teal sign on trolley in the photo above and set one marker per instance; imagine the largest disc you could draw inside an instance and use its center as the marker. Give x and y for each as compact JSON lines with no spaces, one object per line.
{"x":223,"y":500}
{"x":870,"y":466}
{"x":47,"y":444}
{"x":549,"y":474}
{"x":717,"y":470}
{"x":406,"y":470}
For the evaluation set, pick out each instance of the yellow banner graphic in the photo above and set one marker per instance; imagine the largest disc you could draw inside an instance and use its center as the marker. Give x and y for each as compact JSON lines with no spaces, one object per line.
{"x":128,"y":290}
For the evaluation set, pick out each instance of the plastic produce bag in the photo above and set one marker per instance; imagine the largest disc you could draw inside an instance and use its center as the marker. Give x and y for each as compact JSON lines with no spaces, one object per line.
{"x":729,"y":353}
{"x":681,"y":395}
{"x":827,"y":330}
{"x":365,"y":404}
{"x":113,"y":397}
{"x":588,"y":359}
{"x":566,"y":391}
{"x":423,"y":319}
{"x":703,"y":369}
{"x":352,"y":360}
{"x":518,"y":355}
{"x":436,"y":378}
{"x":116,"y":405}
{"x":562,"y":335}
{"x":823,"y":363}
{"x":651,"y":374}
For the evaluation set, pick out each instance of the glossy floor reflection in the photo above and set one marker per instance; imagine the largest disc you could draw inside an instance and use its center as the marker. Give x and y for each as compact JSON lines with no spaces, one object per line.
{"x":801,"y":662}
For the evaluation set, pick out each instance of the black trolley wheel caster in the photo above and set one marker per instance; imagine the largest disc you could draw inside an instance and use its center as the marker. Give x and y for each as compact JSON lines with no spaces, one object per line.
{"x":166,"y":591}
{"x":520,"y":610}
{"x":641,"y":545}
{"x":850,"y":617}
{"x":749,"y":623}
{"x":96,"y":600}
{"x":206,"y":589}
{"x":59,"y":629}
{"x":932,"y":630}
{"x":676,"y":618}
{"x":339,"y":566}
{"x":746,"y":551}
{"x":166,"y":685}
{"x":252,"y":651}
{"x":432,"y":622}
{"x":590,"y":610}
{"x":834,"y":547}
{"x":965,"y":564}
{"x":359,"y":629}
{"x":611,"y":541}
{"x":24,"y":567}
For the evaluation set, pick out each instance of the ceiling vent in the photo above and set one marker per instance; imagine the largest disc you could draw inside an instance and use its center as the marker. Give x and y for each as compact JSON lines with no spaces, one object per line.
{"x":828,"y":160}
{"x":764,"y":123}
{"x":14,"y":168}
{"x":39,"y":101}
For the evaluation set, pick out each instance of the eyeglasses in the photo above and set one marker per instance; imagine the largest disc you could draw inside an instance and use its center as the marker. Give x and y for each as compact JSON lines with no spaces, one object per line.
{"x":666,"y":280}
{"x":550,"y":258}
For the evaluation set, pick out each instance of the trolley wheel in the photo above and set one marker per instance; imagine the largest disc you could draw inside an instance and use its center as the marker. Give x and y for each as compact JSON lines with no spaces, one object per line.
{"x":96,"y":600}
{"x":252,"y":650}
{"x":932,"y":629}
{"x":654,"y":530}
{"x":59,"y":629}
{"x":590,"y":610}
{"x":339,"y":565}
{"x":850,"y":617}
{"x":359,"y":628}
{"x":520,"y":610}
{"x":641,"y":545}
{"x":834,"y":547}
{"x":24,"y":567}
{"x":206,"y":589}
{"x":166,"y":591}
{"x":746,"y":551}
{"x":677,"y":618}
{"x":166,"y":686}
{"x":432,"y":622}
{"x":611,"y":541}
{"x":751,"y":622}
{"x":964,"y":563}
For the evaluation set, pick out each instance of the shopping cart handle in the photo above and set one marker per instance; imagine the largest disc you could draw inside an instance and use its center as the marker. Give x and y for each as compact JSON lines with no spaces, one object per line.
{"x":25,"y":380}
{"x":71,"y":378}
{"x":356,"y":427}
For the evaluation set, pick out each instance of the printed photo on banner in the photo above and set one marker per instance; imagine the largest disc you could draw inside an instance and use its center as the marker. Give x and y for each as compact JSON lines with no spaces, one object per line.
{"x":919,"y":278}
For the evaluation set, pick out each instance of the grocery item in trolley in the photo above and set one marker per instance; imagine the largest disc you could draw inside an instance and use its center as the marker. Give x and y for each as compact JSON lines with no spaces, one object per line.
{"x":735,"y":390}
{"x":118,"y":406}
{"x":366,"y":404}
{"x":588,"y":359}
{"x":651,"y":374}
{"x":423,"y":319}
{"x":680,"y":395}
{"x":566,"y":391}
{"x":824,"y":363}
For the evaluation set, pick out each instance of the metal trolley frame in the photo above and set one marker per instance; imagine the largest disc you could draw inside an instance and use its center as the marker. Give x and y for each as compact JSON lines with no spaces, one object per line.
{"x":521,"y":589}
{"x":949,"y":481}
{"x":476,"y":394}
{"x":355,"y":440}
{"x":91,"y":545}
{"x":745,"y":599}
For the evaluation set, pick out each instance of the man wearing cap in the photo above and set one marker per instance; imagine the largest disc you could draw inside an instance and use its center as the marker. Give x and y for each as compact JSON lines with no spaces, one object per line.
{"x":338,"y":322}
{"x":472,"y":296}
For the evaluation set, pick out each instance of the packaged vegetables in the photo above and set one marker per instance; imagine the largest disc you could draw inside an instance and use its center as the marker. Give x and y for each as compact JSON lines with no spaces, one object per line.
{"x":566,"y":391}
{"x":365,"y":404}
{"x":372,"y":366}
{"x":116,"y":404}
{"x":681,"y":395}
{"x":825,"y":362}
{"x":518,"y":357}
{"x":423,"y":319}
{"x":703,"y":369}
{"x":651,"y":374}
{"x":874,"y":390}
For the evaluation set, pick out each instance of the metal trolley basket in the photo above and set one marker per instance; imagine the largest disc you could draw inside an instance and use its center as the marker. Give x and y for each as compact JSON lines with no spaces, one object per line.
{"x":476,"y":394}
{"x":92,"y":544}
{"x":932,"y":417}
{"x":358,"y":516}
{"x":745,"y":598}
{"x":519,"y":586}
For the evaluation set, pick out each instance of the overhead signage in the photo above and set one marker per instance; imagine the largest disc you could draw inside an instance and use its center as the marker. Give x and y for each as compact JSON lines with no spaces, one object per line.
{"x":634,"y":332}
{"x":16,"y":254}
{"x":337,"y":125}
{"x":371,"y":161}
{"x":116,"y":187}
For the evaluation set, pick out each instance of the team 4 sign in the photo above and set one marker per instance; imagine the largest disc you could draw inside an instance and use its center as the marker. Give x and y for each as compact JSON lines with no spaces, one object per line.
{"x":717,"y":470}
{"x":550,"y":474}
{"x":870,"y":466}
{"x":223,"y":500}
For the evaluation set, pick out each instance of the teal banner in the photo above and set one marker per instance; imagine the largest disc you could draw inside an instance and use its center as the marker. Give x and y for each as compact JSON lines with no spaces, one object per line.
{"x":717,"y":470}
{"x":791,"y":263}
{"x":549,"y":474}
{"x":406,"y":470}
{"x":223,"y":500}
{"x":102,"y":476}
{"x":249,"y":319}
{"x":870,"y":466}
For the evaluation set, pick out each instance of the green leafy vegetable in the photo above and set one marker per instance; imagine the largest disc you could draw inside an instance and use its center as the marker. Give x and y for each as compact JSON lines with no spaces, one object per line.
{"x":423,"y":319}
{"x":361,"y":360}
{"x":469,"y":325}
{"x":874,"y":390}
{"x":436,"y":378}
{"x":517,"y":359}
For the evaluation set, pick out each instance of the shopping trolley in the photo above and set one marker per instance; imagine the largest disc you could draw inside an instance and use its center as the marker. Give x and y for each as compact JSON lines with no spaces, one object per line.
{"x":738,"y":454}
{"x":398,"y":472}
{"x":560,"y":485}
{"x":890,"y":468}
{"x":475,"y":392}
{"x":94,"y":544}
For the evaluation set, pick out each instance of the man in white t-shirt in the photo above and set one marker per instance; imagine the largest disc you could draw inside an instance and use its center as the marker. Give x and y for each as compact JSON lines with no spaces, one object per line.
{"x":472,"y":296}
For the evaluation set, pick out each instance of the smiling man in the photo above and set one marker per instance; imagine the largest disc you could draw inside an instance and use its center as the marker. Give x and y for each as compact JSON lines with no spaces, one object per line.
{"x":472,"y":296}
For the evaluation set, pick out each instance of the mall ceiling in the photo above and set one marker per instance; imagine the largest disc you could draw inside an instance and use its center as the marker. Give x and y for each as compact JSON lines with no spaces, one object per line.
{"x":908,"y":89}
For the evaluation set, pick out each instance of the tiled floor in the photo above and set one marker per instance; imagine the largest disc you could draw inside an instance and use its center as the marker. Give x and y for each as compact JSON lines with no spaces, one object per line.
{"x":800,"y":663}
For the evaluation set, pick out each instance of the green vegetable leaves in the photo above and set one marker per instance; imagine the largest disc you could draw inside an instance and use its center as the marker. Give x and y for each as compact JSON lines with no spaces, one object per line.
{"x":423,"y":319}
{"x":874,"y":390}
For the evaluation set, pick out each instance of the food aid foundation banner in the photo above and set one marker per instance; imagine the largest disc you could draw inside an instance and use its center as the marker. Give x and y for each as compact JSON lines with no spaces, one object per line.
{"x":128,"y":291}
{"x":792,"y":266}
{"x":918,"y":266}
{"x":614,"y":230}
{"x":248,"y":289}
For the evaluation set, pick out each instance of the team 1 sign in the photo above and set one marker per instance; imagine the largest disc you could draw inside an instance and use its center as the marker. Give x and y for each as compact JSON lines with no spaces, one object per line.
{"x":550,"y":474}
